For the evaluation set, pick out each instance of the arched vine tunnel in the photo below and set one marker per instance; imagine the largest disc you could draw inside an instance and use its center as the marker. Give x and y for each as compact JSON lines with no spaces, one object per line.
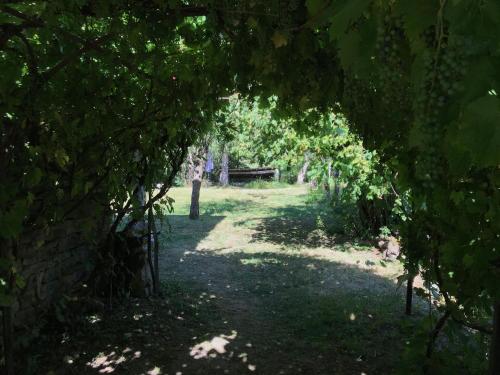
{"x":103,"y":102}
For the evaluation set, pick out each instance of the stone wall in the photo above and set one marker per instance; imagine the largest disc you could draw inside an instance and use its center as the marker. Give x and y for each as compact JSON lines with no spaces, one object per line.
{"x":51,"y":264}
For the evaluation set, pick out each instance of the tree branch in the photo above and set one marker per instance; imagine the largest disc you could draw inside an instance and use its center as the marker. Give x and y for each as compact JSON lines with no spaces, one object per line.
{"x":36,"y":22}
{"x":90,"y":45}
{"x":435,"y":333}
{"x":175,"y":165}
{"x":32,"y":60}
{"x":450,"y":304}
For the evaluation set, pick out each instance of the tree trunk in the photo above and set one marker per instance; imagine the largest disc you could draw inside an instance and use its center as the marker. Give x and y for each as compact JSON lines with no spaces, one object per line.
{"x":495,"y":342}
{"x":301,"y":177}
{"x":326,"y":184}
{"x":336,"y":189}
{"x":194,"y":212}
{"x":410,"y":241}
{"x":224,"y":169}
{"x":7,"y":324}
{"x":190,"y":170}
{"x":143,"y":282}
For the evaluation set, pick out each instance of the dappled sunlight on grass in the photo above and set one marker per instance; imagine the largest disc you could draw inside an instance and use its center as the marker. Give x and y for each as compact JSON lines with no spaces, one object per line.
{"x":259,"y":261}
{"x":154,"y":371}
{"x":277,"y":224}
{"x":210,"y":348}
{"x":219,"y":346}
{"x":272,"y":255}
{"x":276,"y":269}
{"x":107,"y":363}
{"x":235,"y":201}
{"x":255,"y":285}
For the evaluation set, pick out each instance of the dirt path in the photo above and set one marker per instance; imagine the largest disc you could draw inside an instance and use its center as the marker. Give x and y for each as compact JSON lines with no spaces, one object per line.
{"x":255,"y":286}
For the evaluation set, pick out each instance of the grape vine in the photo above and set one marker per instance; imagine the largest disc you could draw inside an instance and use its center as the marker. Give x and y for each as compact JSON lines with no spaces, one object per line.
{"x":86,"y":86}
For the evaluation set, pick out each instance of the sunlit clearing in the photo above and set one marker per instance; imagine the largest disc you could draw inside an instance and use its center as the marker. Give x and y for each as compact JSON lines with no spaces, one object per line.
{"x":211,"y":348}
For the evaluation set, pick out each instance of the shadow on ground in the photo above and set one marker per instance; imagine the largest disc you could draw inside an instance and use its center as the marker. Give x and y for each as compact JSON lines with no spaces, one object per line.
{"x":238,"y":313}
{"x":294,"y":226}
{"x":187,"y":233}
{"x":226,"y":205}
{"x":229,"y":310}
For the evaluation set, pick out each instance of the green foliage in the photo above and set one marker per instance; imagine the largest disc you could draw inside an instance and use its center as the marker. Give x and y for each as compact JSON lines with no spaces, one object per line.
{"x":83,"y":114}
{"x":336,"y":158}
{"x":93,"y":94}
{"x":416,"y":83}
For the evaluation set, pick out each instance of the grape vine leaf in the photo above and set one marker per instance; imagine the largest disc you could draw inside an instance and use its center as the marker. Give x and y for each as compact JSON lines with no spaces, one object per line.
{"x":479,"y":78}
{"x":417,"y":16}
{"x":479,"y":131}
{"x":356,"y":49}
{"x":314,"y":6}
{"x":342,"y":17}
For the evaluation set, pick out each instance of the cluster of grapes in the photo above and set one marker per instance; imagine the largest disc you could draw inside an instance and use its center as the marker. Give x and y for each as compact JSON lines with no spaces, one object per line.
{"x":389,"y":45}
{"x":444,"y":70}
{"x":356,"y":101}
{"x":287,"y":12}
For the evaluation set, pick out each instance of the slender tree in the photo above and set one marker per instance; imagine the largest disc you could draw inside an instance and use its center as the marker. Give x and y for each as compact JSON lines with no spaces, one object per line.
{"x":199,"y":157}
{"x":302,"y":175}
{"x":224,"y":167}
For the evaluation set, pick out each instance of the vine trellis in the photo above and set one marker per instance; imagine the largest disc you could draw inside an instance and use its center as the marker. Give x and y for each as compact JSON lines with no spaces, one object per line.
{"x":418,"y":81}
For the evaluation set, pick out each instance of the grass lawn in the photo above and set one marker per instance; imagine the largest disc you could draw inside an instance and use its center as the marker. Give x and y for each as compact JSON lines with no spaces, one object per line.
{"x":299,"y":299}
{"x":256,"y":285}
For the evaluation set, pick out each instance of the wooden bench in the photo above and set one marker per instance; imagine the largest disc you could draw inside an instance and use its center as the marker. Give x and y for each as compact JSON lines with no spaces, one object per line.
{"x":248,"y":174}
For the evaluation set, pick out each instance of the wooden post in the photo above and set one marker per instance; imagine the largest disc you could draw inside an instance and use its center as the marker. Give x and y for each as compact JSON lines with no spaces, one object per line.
{"x":8,"y":342}
{"x":150,"y":248}
{"x":410,"y":241}
{"x":156,"y":251}
{"x":409,"y":294}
